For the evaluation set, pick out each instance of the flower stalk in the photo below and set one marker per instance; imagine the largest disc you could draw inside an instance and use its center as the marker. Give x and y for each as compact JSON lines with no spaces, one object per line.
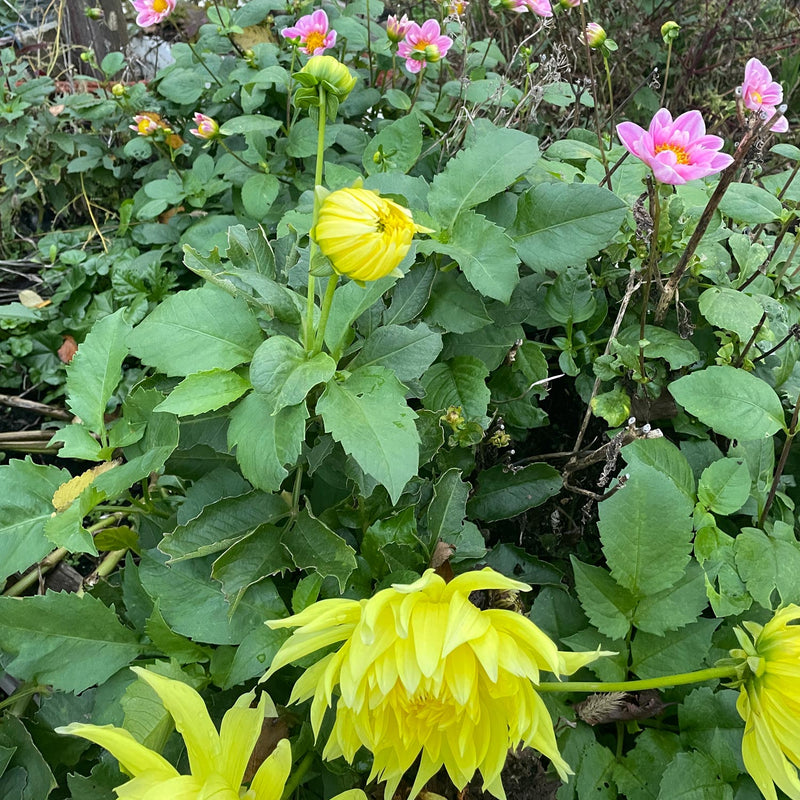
{"x":665,"y":682}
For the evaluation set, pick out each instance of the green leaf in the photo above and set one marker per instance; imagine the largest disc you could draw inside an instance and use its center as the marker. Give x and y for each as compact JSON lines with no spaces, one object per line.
{"x":257,"y":556}
{"x":484,"y":252}
{"x":608,"y":605}
{"x":646,"y":532}
{"x":349,"y":303}
{"x":66,"y":640}
{"x":750,"y":204}
{"x":197,"y":330}
{"x":222,"y":523}
{"x":724,"y":486}
{"x":639,"y":773}
{"x":265,"y":442}
{"x":594,"y":776}
{"x":460,"y":382}
{"x":398,"y":146}
{"x":284,"y":374}
{"x":661,"y":454}
{"x":313,"y":545}
{"x":676,"y":651}
{"x":194,"y":606}
{"x":410,"y":295}
{"x":258,"y":195}
{"x":733,"y":402}
{"x":503,"y":494}
{"x":408,"y":352}
{"x":447,"y":509}
{"x":368,"y":414}
{"x":693,"y":776}
{"x":172,"y":644}
{"x":675,"y":607}
{"x":479,"y":172}
{"x":511,"y":560}
{"x":204,"y":391}
{"x":766,"y":563}
{"x":570,"y":299}
{"x":563,"y":224}
{"x":455,"y":305}
{"x":251,"y":123}
{"x":96,"y":369}
{"x":710,"y":723}
{"x":254,"y":654}
{"x":26,"y":503}
{"x":731,"y":310}
{"x":27,"y":775}
{"x":661,"y":343}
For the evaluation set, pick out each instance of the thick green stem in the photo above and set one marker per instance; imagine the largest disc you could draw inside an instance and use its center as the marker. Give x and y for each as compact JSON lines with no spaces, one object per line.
{"x":324,"y":314}
{"x":312,"y":249}
{"x":700,"y":675}
{"x":297,"y":775}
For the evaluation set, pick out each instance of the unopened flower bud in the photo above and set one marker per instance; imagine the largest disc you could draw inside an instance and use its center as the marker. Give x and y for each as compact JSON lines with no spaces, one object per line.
{"x":94,"y":13}
{"x":432,"y":54}
{"x":327,"y":71}
{"x":670,"y":31}
{"x":118,"y":90}
{"x":207,"y":128}
{"x":594,"y":35}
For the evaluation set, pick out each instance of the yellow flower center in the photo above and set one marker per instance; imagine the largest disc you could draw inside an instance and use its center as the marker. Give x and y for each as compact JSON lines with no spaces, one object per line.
{"x":429,"y":713}
{"x":144,"y":126}
{"x":314,"y":40}
{"x":160,"y":6}
{"x":391,"y":221}
{"x":757,"y":97}
{"x":680,"y":153}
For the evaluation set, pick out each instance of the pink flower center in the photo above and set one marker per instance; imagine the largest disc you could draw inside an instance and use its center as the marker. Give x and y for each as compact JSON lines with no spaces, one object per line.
{"x":160,"y":6}
{"x":314,"y":40}
{"x":680,"y":153}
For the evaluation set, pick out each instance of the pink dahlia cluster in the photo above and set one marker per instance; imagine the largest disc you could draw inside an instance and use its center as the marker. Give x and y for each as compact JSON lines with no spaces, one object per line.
{"x":680,"y":150}
{"x":760,"y":93}
{"x":312,"y":33}
{"x":419,"y":45}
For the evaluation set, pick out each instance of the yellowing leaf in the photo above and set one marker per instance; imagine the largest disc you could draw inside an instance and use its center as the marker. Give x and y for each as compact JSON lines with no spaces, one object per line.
{"x":72,"y":489}
{"x":31,"y":299}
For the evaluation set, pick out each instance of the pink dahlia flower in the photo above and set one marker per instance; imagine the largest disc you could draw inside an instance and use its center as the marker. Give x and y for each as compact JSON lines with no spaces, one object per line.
{"x":423,"y":44}
{"x":541,"y":8}
{"x":207,"y":128}
{"x":676,"y":150}
{"x":570,"y":3}
{"x":145,"y":125}
{"x":594,"y":35}
{"x":151,"y":12}
{"x":761,"y":93}
{"x":313,"y":32}
{"x":396,"y":28}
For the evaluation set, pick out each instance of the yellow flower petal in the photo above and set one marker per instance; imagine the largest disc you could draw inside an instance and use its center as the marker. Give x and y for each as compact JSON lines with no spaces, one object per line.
{"x":133,"y":757}
{"x":189,"y":712}
{"x":182,"y":787}
{"x":271,"y":777}
{"x":238,"y":734}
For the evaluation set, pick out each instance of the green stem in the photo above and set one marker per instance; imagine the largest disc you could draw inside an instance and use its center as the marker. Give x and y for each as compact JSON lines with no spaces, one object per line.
{"x":655,"y":213}
{"x":666,"y":74}
{"x":324,"y":314}
{"x":369,"y":46}
{"x":24,"y":693}
{"x":297,"y":775}
{"x":610,"y":90}
{"x":699,"y":676}
{"x":308,"y":338}
{"x":237,"y":156}
{"x":417,"y":88}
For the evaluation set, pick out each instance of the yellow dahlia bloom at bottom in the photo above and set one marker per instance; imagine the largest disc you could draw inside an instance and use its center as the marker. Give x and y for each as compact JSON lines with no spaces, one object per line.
{"x":364,"y":235}
{"x":423,"y":670}
{"x":769,"y":702}
{"x":217,"y":760}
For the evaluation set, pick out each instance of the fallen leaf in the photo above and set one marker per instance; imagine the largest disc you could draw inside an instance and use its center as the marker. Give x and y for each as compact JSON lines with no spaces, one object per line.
{"x":31,"y":299}
{"x":67,"y":349}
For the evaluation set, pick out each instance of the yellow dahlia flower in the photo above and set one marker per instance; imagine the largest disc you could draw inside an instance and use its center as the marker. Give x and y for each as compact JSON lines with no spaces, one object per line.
{"x":217,"y":760}
{"x":769,"y":702}
{"x":423,"y":670}
{"x":364,"y":235}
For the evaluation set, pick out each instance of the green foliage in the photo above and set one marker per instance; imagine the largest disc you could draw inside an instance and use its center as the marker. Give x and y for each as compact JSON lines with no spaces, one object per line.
{"x":271,"y":446}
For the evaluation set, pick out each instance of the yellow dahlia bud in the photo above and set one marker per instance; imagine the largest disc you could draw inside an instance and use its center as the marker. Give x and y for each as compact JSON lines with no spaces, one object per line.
{"x":118,"y":90}
{"x":425,"y":676}
{"x":769,"y":704}
{"x":364,"y":235}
